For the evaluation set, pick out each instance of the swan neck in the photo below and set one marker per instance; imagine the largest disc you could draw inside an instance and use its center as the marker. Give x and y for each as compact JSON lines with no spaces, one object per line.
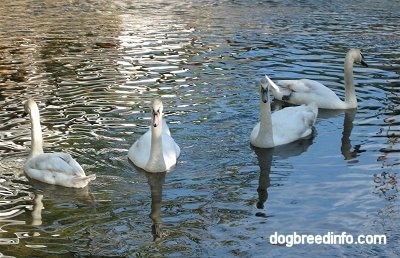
{"x":156,"y":160}
{"x":350,"y":92}
{"x":265,"y":134}
{"x":36,"y":134}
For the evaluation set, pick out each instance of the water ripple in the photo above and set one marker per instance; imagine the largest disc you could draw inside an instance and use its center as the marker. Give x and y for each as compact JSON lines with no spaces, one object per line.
{"x":95,"y":69}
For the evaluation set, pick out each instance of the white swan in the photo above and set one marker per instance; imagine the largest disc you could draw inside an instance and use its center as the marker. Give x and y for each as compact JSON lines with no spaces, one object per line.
{"x":284,"y":126}
{"x":52,"y":168}
{"x":156,"y":150}
{"x":305,"y":91}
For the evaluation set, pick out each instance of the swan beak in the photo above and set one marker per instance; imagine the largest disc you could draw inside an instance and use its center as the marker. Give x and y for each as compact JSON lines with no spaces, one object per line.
{"x":264,"y":95}
{"x":364,"y":63}
{"x":156,"y":118}
{"x":263,"y":90}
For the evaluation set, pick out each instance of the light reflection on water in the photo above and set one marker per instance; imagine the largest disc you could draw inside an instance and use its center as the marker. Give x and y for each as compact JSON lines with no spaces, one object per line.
{"x":94,"y":71}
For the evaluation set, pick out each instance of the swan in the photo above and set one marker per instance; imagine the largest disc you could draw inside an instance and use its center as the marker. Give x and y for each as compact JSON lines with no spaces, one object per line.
{"x":284,"y":126}
{"x":156,"y":150}
{"x":55,"y":168}
{"x":305,"y":91}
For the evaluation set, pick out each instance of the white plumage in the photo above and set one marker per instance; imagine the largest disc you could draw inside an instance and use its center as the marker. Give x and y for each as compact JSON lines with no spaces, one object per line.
{"x":156,"y":150}
{"x":284,"y":126}
{"x":305,"y":91}
{"x":52,"y":168}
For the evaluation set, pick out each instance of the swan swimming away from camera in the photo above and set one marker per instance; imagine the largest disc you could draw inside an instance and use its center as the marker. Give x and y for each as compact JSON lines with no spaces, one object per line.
{"x":305,"y":91}
{"x":156,"y":150}
{"x":283,"y":126}
{"x":55,"y":168}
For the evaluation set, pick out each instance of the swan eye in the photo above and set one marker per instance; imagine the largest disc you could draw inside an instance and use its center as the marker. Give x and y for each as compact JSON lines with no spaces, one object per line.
{"x":264,"y":90}
{"x":157,"y":111}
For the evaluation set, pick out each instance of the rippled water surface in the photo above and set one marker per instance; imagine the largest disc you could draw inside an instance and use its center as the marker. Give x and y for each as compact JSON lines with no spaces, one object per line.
{"x":94,"y":67}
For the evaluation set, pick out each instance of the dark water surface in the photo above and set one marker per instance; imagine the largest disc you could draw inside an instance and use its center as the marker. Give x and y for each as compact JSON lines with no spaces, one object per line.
{"x":95,"y":66}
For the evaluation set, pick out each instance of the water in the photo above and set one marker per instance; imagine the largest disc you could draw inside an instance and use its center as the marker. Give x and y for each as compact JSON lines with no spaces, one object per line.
{"x":94,"y":68}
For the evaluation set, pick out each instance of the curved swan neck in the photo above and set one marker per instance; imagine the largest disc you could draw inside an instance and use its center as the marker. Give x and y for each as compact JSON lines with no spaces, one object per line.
{"x":265,"y":134}
{"x":350,"y":92}
{"x":36,"y":132}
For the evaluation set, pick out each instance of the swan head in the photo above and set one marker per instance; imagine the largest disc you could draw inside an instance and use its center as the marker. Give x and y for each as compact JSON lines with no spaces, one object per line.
{"x":156,"y":112}
{"x":264,"y":87}
{"x":31,"y":107}
{"x":357,"y":56}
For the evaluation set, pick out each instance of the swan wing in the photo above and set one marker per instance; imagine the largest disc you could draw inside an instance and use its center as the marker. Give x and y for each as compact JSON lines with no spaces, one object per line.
{"x":58,"y":162}
{"x":285,"y":89}
{"x":171,"y":151}
{"x":298,"y":85}
{"x":58,"y":169}
{"x":254,"y":133}
{"x":306,"y":91}
{"x":165,"y":128}
{"x":139,"y":152}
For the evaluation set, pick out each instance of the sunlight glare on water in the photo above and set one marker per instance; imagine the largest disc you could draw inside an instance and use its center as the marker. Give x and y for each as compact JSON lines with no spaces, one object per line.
{"x":94,"y":67}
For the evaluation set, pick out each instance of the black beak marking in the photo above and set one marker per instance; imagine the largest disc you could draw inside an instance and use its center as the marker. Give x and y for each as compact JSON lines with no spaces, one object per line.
{"x":154,"y":115}
{"x":362,"y":61}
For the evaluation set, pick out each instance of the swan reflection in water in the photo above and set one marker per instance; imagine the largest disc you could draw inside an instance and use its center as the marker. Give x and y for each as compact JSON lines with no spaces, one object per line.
{"x":347,"y":153}
{"x":156,"y":182}
{"x":265,"y":158}
{"x":58,"y":194}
